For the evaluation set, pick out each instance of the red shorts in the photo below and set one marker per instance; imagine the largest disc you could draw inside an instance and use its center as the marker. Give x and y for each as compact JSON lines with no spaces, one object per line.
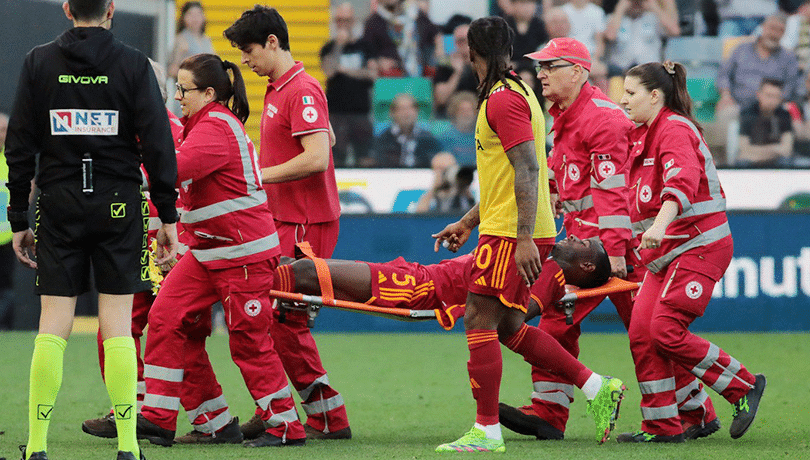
{"x":401,"y":284}
{"x":322,"y":236}
{"x":494,"y":272}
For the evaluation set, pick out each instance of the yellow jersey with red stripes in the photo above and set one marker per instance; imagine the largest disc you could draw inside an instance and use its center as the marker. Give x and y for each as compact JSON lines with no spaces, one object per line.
{"x":509,"y":116}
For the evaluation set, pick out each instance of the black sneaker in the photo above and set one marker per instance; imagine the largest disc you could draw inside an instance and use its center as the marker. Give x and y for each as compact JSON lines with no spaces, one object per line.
{"x":229,"y":434}
{"x":643,"y":436}
{"x":524,"y":420}
{"x":153,"y":433}
{"x":746,"y":408}
{"x":697,"y":431}
{"x":123,"y":455}
{"x":34,"y":456}
{"x":253,"y":428}
{"x":103,"y":427}
{"x":268,"y":440}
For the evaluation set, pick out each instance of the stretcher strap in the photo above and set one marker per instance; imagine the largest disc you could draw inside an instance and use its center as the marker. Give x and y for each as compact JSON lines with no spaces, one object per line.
{"x":321,"y":268}
{"x":613,"y":286}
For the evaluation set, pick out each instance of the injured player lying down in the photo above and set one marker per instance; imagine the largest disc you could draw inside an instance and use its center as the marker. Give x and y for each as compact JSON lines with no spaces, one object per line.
{"x":443,"y":287}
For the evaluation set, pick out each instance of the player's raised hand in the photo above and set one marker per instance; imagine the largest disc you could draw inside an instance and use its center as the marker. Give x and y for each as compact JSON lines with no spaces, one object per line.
{"x":452,"y":237}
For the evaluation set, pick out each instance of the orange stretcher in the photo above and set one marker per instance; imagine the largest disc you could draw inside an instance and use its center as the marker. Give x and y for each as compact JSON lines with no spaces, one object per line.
{"x":312,"y":303}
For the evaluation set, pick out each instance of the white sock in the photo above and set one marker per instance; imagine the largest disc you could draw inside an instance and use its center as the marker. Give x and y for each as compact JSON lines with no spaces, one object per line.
{"x":592,"y":386}
{"x":492,"y":431}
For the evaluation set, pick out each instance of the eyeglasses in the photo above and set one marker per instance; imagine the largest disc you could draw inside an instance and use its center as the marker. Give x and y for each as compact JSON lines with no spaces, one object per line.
{"x":183,"y":90}
{"x":548,"y":68}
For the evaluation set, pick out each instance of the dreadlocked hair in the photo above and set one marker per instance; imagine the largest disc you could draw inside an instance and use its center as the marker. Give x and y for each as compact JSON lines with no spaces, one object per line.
{"x":491,"y":38}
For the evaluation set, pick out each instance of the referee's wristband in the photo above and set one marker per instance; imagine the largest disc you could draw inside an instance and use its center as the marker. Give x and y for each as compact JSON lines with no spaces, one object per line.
{"x":17,"y":219}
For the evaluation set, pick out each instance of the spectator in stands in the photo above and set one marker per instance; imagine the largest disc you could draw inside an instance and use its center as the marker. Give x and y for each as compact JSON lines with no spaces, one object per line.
{"x":742,"y":73}
{"x":504,"y":8}
{"x":402,"y":39}
{"x":557,"y":23}
{"x":350,"y":75}
{"x":766,"y":133}
{"x":456,"y":74}
{"x":450,"y":191}
{"x":404,"y":143}
{"x":587,"y":25}
{"x":530,"y":32}
{"x":636,"y":30}
{"x":190,"y":38}
{"x":742,"y":17}
{"x":797,"y":34}
{"x":459,"y":139}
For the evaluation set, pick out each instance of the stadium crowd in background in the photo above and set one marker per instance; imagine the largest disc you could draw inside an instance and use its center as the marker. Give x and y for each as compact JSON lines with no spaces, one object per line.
{"x":618,"y":34}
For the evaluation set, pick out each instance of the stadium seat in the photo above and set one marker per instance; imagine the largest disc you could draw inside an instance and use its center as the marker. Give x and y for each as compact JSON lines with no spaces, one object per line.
{"x":694,"y":51}
{"x":616,"y":88}
{"x":704,"y":96}
{"x":731,"y":43}
{"x":386,"y":89}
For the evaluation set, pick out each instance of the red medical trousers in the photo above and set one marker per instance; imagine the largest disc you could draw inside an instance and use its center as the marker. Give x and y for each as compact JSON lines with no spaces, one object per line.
{"x":666,"y":305}
{"x":323,"y":405}
{"x":553,"y":395}
{"x":176,"y":357}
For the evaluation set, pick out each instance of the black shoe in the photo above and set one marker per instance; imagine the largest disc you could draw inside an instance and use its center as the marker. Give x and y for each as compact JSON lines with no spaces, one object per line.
{"x":312,"y":433}
{"x":697,"y":431}
{"x":153,"y":433}
{"x":253,"y":428}
{"x":268,"y":440}
{"x":523,"y":420}
{"x":123,"y":455}
{"x":229,"y":434}
{"x":34,"y":456}
{"x":746,"y":408}
{"x":643,"y":436}
{"x":103,"y":427}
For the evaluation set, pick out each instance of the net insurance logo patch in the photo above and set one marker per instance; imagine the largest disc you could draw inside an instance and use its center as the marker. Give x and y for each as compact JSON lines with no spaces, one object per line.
{"x":71,"y":122}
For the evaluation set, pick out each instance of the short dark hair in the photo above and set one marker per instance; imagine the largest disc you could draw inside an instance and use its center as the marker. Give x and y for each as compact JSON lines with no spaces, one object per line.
{"x":83,"y":10}
{"x":773,"y":82}
{"x":601,"y":273}
{"x":254,"y":26}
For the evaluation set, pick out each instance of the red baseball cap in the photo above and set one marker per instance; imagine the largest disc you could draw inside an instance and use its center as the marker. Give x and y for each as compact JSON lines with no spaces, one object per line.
{"x":565,"y":48}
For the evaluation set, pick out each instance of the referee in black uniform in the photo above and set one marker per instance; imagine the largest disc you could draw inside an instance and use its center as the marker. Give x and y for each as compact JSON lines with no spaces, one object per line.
{"x":90,"y":108}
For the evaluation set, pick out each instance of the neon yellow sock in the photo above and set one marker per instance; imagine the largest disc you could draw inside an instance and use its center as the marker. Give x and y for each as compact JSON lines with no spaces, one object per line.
{"x":45,"y":380}
{"x":121,"y":375}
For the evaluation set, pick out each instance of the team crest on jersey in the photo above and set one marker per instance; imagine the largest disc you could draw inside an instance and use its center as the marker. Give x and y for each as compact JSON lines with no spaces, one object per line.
{"x":253,"y":307}
{"x":607,"y":169}
{"x":310,"y":115}
{"x":645,"y":195}
{"x":271,"y":110}
{"x":308,"y":100}
{"x":73,"y":122}
{"x":573,"y":172}
{"x":649,"y":161}
{"x":694,"y":290}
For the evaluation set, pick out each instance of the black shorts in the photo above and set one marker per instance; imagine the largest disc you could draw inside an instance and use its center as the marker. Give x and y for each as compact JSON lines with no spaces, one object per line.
{"x":107,"y":228}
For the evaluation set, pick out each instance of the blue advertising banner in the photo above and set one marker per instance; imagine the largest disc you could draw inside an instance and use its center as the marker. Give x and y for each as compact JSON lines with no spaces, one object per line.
{"x":766,"y":288}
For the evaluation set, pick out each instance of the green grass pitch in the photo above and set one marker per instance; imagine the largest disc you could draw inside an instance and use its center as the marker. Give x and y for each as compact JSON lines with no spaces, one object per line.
{"x":407,"y":393}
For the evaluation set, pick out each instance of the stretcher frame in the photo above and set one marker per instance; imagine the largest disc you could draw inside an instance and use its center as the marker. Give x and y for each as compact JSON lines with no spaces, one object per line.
{"x":314,"y":303}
